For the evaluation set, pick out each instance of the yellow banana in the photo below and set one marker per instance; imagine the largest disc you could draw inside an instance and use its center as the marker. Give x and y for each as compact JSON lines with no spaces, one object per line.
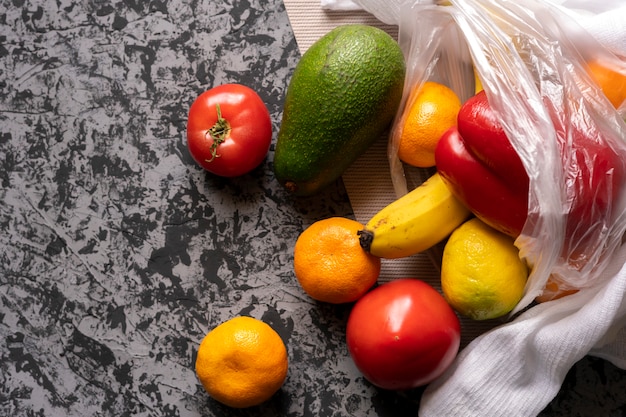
{"x":414,"y":222}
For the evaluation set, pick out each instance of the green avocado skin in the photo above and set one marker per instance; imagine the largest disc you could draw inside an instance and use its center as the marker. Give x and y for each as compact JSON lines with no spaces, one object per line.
{"x":342,"y":96}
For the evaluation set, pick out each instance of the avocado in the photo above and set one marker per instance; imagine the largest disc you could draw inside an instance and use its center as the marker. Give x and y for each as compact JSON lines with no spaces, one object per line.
{"x":342,"y":96}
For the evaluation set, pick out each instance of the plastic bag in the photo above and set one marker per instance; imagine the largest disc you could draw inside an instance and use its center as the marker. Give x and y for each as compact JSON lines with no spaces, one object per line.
{"x":532,"y":60}
{"x":516,"y":368}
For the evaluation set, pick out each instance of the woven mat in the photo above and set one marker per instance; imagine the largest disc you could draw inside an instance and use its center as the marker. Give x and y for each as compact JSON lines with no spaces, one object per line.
{"x":368,"y":181}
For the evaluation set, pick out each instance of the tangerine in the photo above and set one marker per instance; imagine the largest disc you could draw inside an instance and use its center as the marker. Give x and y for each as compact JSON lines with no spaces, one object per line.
{"x":611,"y":82}
{"x":553,"y":291}
{"x":330,"y":264}
{"x":242,"y":362}
{"x":432,"y":109}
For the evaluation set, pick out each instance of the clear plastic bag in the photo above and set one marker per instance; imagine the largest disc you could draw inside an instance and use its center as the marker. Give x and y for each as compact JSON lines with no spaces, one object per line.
{"x":532,"y":60}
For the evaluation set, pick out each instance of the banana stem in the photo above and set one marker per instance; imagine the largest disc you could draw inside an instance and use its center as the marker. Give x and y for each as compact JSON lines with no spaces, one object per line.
{"x":365,"y":239}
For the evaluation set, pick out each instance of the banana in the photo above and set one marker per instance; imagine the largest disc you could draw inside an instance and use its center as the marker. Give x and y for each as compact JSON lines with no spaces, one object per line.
{"x":414,"y":222}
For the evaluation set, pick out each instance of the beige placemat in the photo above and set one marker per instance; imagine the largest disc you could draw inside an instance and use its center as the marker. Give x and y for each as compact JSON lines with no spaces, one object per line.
{"x":368,"y":181}
{"x":310,"y":22}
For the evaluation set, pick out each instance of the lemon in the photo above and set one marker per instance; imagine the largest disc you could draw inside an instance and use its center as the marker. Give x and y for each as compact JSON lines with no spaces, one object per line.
{"x":482,"y":275}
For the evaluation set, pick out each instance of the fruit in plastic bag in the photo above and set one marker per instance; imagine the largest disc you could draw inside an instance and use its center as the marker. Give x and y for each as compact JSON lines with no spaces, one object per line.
{"x":485,"y":172}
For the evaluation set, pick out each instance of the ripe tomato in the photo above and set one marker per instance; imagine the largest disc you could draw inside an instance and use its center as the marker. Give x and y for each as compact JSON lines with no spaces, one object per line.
{"x":403,"y":334}
{"x":229,"y":130}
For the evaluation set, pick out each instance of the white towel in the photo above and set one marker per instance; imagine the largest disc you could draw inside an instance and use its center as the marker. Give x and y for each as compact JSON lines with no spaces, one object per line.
{"x":340,"y":5}
{"x":609,"y":28}
{"x":518,"y":368}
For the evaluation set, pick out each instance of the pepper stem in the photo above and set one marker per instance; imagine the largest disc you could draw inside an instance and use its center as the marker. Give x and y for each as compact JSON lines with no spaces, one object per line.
{"x":218,"y":133}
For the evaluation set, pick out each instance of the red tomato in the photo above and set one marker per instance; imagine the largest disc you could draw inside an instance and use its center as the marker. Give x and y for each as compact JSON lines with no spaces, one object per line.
{"x":229,"y":130}
{"x":403,"y":334}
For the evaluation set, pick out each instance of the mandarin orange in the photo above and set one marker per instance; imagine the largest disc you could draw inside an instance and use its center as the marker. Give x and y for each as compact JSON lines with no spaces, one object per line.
{"x":330,"y":264}
{"x":431,"y":110}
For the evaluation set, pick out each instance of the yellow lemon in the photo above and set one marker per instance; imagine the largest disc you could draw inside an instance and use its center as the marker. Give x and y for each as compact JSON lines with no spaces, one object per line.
{"x":478,"y":84}
{"x":482,"y":275}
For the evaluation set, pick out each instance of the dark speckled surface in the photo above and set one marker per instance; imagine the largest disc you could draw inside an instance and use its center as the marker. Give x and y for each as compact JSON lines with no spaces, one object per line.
{"x":118,"y":253}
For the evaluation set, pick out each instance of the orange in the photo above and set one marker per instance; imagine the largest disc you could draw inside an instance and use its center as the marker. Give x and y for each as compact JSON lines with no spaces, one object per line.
{"x":612,"y":83}
{"x":431,"y":110}
{"x":553,"y":291}
{"x":242,"y":362}
{"x":482,"y":275}
{"x":330,"y":264}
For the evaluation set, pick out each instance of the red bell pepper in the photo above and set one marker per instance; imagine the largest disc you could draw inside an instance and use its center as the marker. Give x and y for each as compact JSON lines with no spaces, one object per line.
{"x":483,"y":170}
{"x":481,"y":167}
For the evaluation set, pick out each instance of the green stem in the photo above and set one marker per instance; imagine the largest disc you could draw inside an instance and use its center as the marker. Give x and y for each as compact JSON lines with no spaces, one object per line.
{"x":218,"y":133}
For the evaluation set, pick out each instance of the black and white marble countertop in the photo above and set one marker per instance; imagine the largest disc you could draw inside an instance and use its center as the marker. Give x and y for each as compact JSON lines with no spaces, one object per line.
{"x":118,"y":253}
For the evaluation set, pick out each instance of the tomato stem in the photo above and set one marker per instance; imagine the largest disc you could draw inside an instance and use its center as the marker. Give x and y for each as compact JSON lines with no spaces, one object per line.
{"x":218,"y":133}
